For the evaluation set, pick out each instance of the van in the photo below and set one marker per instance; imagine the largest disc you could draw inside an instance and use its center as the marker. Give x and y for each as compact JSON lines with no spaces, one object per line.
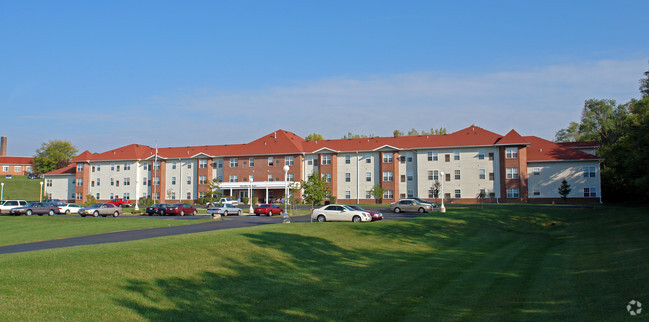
{"x":7,"y":205}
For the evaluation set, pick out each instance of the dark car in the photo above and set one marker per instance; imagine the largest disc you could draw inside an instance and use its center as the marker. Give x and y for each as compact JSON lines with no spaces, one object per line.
{"x":56,"y":202}
{"x":35,"y":208}
{"x":269,"y":210}
{"x":180,"y":209}
{"x":375,"y":215}
{"x":157,"y":209}
{"x":31,"y":176}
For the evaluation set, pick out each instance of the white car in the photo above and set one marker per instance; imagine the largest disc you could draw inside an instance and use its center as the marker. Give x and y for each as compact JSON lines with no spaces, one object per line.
{"x":339,"y":213}
{"x":7,"y":205}
{"x":224,"y":201}
{"x":68,"y":208}
{"x":225,"y":209}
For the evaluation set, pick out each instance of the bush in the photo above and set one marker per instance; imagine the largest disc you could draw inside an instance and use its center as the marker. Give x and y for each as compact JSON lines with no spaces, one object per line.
{"x":145,"y":202}
{"x":255,"y":200}
{"x":244,"y":200}
{"x":332,"y":199}
{"x":90,"y":200}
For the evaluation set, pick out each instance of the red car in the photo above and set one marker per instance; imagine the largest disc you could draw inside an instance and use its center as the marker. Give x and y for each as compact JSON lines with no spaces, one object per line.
{"x":375,"y":215}
{"x":268,"y":210}
{"x":119,"y":202}
{"x":180,"y":209}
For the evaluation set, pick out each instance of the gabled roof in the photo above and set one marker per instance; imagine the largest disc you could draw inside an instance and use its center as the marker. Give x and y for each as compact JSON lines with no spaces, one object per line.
{"x":544,"y":150}
{"x":69,"y":170}
{"x":512,"y":138}
{"x":84,"y":156}
{"x":584,"y":144}
{"x":16,"y":160}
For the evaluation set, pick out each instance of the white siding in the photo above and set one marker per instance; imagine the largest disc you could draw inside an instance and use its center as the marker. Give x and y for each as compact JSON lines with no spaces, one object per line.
{"x":552,"y":173}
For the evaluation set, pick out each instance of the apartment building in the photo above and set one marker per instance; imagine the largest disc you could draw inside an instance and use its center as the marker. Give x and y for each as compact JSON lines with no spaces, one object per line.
{"x":506,"y":168}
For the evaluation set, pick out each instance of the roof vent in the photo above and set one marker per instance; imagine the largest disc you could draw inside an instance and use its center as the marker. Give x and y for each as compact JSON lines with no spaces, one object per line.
{"x":275,"y":134}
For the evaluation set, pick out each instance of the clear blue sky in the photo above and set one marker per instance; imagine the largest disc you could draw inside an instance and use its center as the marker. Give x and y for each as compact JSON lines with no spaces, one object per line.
{"x":107,"y":74}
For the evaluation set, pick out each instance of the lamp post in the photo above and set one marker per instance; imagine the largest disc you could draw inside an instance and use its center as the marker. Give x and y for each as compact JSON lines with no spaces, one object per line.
{"x":41,"y":194}
{"x":250,"y":179}
{"x":286,"y":219}
{"x":2,"y":193}
{"x":442,"y":209}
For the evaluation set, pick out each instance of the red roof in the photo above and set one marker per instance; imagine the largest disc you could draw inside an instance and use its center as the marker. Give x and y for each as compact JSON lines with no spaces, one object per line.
{"x":544,"y":150}
{"x":70,"y":169}
{"x":585,"y":144}
{"x":16,"y":160}
{"x":512,"y":138}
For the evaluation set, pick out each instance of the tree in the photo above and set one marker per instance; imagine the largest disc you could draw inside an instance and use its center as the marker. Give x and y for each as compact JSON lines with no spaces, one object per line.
{"x":441,"y":130}
{"x":52,"y":155}
{"x":213,"y":191}
{"x":569,"y":134}
{"x":413,"y":132}
{"x":436,"y":188}
{"x":314,"y":137}
{"x":315,"y":189}
{"x":350,"y":135}
{"x":397,"y":133}
{"x":564,"y":189}
{"x":377,"y":192}
{"x":644,"y":85}
{"x":481,"y":196}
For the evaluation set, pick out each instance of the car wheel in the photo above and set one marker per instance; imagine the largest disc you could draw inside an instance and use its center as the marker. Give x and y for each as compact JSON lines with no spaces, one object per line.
{"x":162,"y":213}
{"x":194,"y":213}
{"x":239,"y":213}
{"x":225,"y":213}
{"x":182,"y":213}
{"x":397,"y":210}
{"x":67,"y":212}
{"x":322,"y":218}
{"x":50,"y":213}
{"x":82,"y":215}
{"x":422,"y":210}
{"x":116,"y":214}
{"x":95,"y":214}
{"x":29,"y":212}
{"x":150,"y":214}
{"x":356,"y":219}
{"x":281,"y":213}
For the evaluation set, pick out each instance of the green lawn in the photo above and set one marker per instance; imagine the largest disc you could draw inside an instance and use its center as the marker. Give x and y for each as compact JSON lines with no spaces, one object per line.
{"x":19,"y":187}
{"x":505,"y":263}
{"x":23,"y":229}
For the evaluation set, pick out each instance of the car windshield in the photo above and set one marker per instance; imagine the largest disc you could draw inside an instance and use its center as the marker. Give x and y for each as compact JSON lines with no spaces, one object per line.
{"x":30,"y":204}
{"x":177,"y":205}
{"x":358,"y":208}
{"x":97,"y":205}
{"x":349,"y":208}
{"x":264,"y":206}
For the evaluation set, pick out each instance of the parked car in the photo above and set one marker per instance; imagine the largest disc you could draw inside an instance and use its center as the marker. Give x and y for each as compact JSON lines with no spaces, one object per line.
{"x":68,"y":208}
{"x":7,"y":205}
{"x":269,"y":210}
{"x":31,"y":176}
{"x":56,"y":202}
{"x":8,"y":176}
{"x":35,"y":208}
{"x":119,"y":202}
{"x":225,"y":209}
{"x":339,"y":213}
{"x":410,"y":205}
{"x":157,"y":209}
{"x":180,"y":209}
{"x":103,"y":209}
{"x":424,"y":201}
{"x":375,"y":215}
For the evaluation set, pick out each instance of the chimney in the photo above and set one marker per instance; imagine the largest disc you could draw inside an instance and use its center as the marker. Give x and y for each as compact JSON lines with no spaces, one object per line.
{"x":3,"y":146}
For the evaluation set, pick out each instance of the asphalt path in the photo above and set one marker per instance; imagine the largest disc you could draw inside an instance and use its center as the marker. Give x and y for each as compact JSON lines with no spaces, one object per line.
{"x":129,"y":235}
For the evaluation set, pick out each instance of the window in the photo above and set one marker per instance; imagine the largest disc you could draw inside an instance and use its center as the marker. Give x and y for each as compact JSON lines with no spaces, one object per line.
{"x":117,"y":183}
{"x":219,"y":164}
{"x":251,"y":178}
{"x":368,"y":176}
{"x":127,"y":166}
{"x":326,"y":159}
{"x":92,"y":183}
{"x":234,"y":178}
{"x":252,"y":162}
{"x":189,"y":180}
{"x":309,"y":160}
{"x":447,"y":176}
{"x":348,"y":194}
{"x":368,"y":158}
{"x":173,"y":180}
{"x":270,"y":177}
{"x":127,"y":181}
{"x":368,"y":194}
{"x":409,"y":156}
{"x":189,"y":165}
{"x":201,"y":195}
{"x":388,"y":194}
{"x":5,"y":168}
{"x":458,"y":193}
{"x":234,"y":162}
{"x":590,"y":192}
{"x":156,"y":196}
{"x":512,"y":193}
{"x":189,"y":195}
{"x":119,"y":166}
{"x":512,"y":173}
{"x":144,"y":166}
{"x":289,"y":177}
{"x":112,"y":167}
{"x":447,"y":195}
{"x":536,"y":192}
{"x":411,"y":194}
{"x":202,"y":164}
{"x":457,"y":174}
{"x":403,"y":178}
{"x":112,"y":181}
{"x":402,"y":158}
{"x":97,"y":196}
{"x":79,"y":182}
{"x":144,"y":181}
{"x":48,"y":182}
{"x":447,"y":158}
{"x":156,"y":181}
{"x":348,"y":177}
{"x":78,"y":196}
{"x":327,"y":177}
{"x":388,"y":176}
{"x":491,"y":176}
{"x":79,"y":167}
{"x":511,"y":153}
{"x":480,"y":154}
{"x":173,"y":166}
{"x":270,"y":161}
{"x":536,"y":171}
{"x":289,"y":160}
{"x":589,"y":172}
{"x":172,"y":195}
{"x":433,"y":156}
{"x":348,"y":159}
{"x":482,"y":174}
{"x":433,"y":175}
{"x":411,"y":177}
{"x":491,"y":156}
{"x":456,"y":155}
{"x":202,"y":180}
{"x":387,"y":157}
{"x":17,"y":168}
{"x":127,"y":196}
{"x":156,"y":166}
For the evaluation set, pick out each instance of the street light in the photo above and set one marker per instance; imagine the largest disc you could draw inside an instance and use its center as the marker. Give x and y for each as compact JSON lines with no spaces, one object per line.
{"x":2,"y":194}
{"x":41,"y":194}
{"x":442,"y":209}
{"x":286,"y":219}
{"x":250,"y":179}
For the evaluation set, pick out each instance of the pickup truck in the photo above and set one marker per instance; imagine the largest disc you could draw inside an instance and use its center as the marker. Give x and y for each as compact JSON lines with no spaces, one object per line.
{"x":120,"y":203}
{"x":223,"y":201}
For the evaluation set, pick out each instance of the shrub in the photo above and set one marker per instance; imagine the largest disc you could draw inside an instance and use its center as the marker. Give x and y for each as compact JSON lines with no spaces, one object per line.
{"x":244,"y":200}
{"x":90,"y":200}
{"x":332,"y":199}
{"x":255,"y":200}
{"x":145,"y":202}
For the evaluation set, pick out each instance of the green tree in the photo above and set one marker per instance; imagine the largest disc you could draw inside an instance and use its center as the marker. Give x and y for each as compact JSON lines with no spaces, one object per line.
{"x":213,"y":191}
{"x":315,"y":189}
{"x":644,"y":85}
{"x":377,"y":192}
{"x":52,"y":155}
{"x":441,"y":130}
{"x":564,"y":189}
{"x":314,"y":137}
{"x":569,"y":134}
{"x":350,"y":135}
{"x":397,"y":133}
{"x":413,"y":132}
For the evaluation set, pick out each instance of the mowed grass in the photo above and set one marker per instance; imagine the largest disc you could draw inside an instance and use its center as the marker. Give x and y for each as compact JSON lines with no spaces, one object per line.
{"x":505,"y":263}
{"x":24,"y":229}
{"x":19,"y":187}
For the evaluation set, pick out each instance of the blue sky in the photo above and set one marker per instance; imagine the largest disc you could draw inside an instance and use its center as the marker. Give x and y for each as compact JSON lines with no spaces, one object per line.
{"x":108,"y":74}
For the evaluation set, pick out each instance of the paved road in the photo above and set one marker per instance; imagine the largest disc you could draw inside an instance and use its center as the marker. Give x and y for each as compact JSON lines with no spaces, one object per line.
{"x":121,"y":236}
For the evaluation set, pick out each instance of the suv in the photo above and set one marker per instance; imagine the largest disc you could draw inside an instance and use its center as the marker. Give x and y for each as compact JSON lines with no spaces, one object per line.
{"x":7,"y":205}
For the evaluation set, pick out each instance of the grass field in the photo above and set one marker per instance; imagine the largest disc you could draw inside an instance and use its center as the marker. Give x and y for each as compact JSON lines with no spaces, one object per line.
{"x":19,"y":187}
{"x":505,"y":263}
